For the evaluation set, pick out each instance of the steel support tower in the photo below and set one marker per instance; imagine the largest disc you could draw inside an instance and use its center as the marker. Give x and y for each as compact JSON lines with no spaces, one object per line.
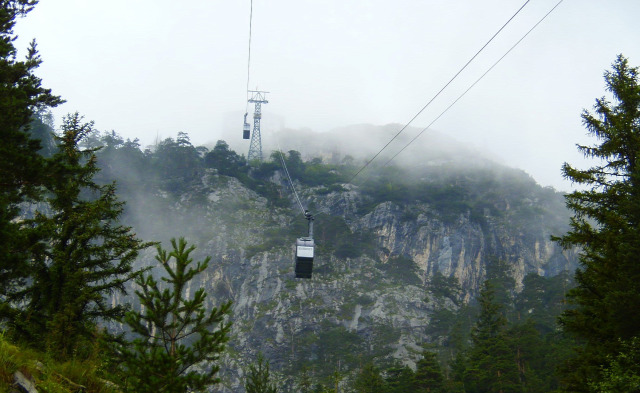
{"x":255,"y":148}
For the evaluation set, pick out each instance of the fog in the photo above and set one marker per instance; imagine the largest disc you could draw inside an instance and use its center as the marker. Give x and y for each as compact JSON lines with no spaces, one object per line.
{"x":149,"y":69}
{"x":363,"y":141}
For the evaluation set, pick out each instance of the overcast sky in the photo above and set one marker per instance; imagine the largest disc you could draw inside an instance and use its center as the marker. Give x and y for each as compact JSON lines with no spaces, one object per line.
{"x":152,"y":68}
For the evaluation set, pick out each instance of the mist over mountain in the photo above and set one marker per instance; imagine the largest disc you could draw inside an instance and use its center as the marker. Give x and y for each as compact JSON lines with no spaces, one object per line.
{"x":363,"y":141}
{"x":384,"y":244}
{"x":429,"y":265}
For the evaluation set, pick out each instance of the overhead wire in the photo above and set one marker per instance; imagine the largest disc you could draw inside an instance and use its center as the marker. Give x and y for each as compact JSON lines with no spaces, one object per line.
{"x":284,"y":165}
{"x":440,"y":91}
{"x":475,"y":83}
{"x":249,"y":58}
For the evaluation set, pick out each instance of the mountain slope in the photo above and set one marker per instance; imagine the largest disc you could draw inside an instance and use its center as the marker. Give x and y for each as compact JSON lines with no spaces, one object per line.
{"x":379,"y":244}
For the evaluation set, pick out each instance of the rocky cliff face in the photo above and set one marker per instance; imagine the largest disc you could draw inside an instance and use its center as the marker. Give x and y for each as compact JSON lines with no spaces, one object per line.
{"x":367,"y":297}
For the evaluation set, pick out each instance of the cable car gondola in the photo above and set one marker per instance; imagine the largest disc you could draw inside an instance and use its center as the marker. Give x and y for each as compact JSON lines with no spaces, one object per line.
{"x":305,"y":248}
{"x":246,"y":128}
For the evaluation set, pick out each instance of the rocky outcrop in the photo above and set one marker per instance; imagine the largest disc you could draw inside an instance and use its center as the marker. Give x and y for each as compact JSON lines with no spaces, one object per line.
{"x":355,"y":307}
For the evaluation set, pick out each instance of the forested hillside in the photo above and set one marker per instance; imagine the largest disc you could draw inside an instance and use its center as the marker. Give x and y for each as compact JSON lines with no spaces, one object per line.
{"x":401,"y":260}
{"x":171,"y":267}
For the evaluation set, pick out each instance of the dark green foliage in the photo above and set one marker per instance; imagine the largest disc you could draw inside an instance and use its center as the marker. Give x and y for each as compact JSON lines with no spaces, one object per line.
{"x":441,"y":287}
{"x":333,"y":235}
{"x":84,"y":255}
{"x":499,"y":275}
{"x":606,"y":227}
{"x":295,"y":166}
{"x":176,"y":162}
{"x":369,"y":380}
{"x":491,"y":366}
{"x":311,"y":173}
{"x":457,"y":371}
{"x":623,"y":372}
{"x":174,"y":332}
{"x":428,"y":376}
{"x":22,"y":169}
{"x":399,"y":379}
{"x":452,"y":191}
{"x":304,"y":384}
{"x":226,"y":161}
{"x":317,"y":173}
{"x":41,"y":129}
{"x":401,"y":268}
{"x":542,"y":300}
{"x":258,"y":378}
{"x":322,"y":351}
{"x":528,"y":347}
{"x":449,"y":326}
{"x":339,"y":345}
{"x":518,"y":355}
{"x":121,"y":160}
{"x":541,"y":347}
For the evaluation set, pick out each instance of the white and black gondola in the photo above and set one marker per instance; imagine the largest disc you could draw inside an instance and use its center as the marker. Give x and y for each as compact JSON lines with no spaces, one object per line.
{"x":305,"y":249}
{"x":246,"y":128}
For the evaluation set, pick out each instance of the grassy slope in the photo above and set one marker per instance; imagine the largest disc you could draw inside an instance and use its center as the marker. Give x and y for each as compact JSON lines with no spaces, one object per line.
{"x":49,"y":374}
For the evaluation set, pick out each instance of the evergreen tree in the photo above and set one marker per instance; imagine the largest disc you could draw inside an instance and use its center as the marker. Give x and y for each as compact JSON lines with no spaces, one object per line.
{"x":458,"y":370}
{"x":305,"y":381}
{"x":428,"y":376}
{"x":499,"y":274}
{"x":85,"y":255}
{"x":225,"y":160}
{"x":174,"y":332}
{"x":540,"y":347}
{"x":606,"y":228}
{"x":176,"y":161}
{"x":528,"y":351}
{"x":441,"y":288}
{"x":369,"y":380}
{"x":41,"y":128}
{"x":399,"y":379}
{"x":623,"y":372}
{"x":21,"y":167}
{"x":258,"y":377}
{"x":491,"y":366}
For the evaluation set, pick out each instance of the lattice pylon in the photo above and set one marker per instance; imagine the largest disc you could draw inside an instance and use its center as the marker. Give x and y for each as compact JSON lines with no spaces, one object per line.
{"x":255,"y":147}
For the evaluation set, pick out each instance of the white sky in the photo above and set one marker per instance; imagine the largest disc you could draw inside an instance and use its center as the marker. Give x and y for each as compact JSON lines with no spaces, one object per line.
{"x":148,"y":68}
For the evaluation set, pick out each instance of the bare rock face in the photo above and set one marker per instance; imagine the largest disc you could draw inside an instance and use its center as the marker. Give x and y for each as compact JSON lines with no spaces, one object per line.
{"x":361,"y":302}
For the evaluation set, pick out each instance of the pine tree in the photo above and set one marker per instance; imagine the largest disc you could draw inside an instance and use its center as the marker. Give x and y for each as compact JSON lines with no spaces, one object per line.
{"x":623,"y":372}
{"x":175,"y":333}
{"x":305,"y":381}
{"x":259,"y":378}
{"x":369,"y":380}
{"x":499,"y":274}
{"x":428,"y":376}
{"x":84,"y":254}
{"x":21,"y":167}
{"x":458,"y":370}
{"x":399,"y":379}
{"x":491,"y":366}
{"x":606,"y":228}
{"x":529,"y":351}
{"x":225,"y":160}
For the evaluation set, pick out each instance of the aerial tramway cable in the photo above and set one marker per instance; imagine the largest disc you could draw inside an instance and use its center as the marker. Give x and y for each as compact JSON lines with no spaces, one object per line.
{"x":286,"y":171}
{"x":305,"y":246}
{"x":249,"y":56}
{"x":246,"y":127}
{"x":438,"y":93}
{"x":474,"y":83}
